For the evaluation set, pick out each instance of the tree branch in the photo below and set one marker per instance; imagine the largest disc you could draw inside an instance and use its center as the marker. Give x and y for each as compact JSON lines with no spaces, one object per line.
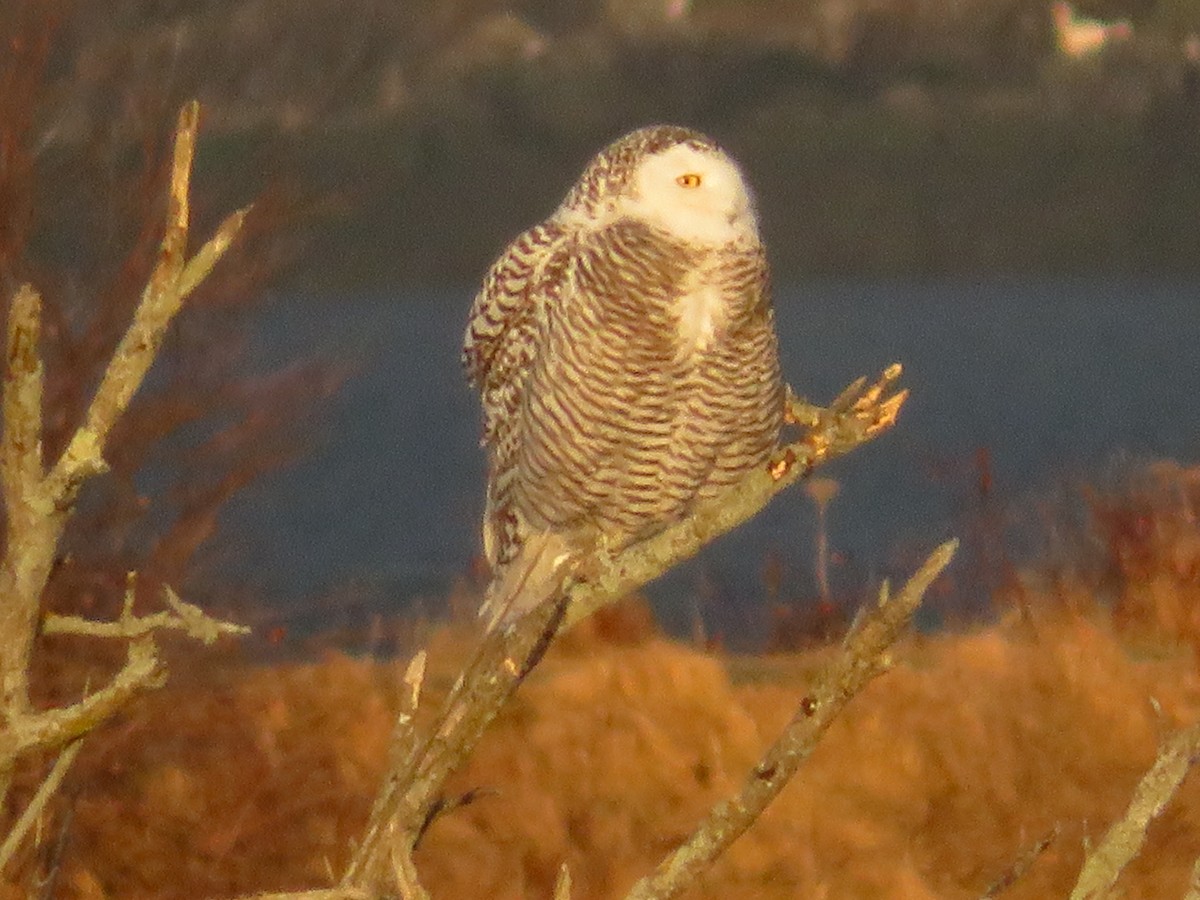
{"x":38,"y":503}
{"x":1123,"y":841}
{"x":1021,"y":866}
{"x":1193,"y":892}
{"x":864,"y":656}
{"x":179,"y":616}
{"x":31,"y":812}
{"x":22,"y":438}
{"x":51,"y":728}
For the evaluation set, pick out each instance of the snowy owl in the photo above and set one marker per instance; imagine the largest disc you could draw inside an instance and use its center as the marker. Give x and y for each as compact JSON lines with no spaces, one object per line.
{"x":625,"y":354}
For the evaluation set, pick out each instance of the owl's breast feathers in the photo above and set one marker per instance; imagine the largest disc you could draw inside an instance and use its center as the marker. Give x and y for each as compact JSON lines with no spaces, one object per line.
{"x":623,"y":376}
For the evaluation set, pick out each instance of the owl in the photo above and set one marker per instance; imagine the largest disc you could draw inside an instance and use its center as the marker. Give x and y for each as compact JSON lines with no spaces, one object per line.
{"x":625,"y":354}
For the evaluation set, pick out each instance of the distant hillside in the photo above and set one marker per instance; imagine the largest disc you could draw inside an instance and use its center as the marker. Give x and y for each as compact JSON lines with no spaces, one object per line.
{"x":882,"y":138}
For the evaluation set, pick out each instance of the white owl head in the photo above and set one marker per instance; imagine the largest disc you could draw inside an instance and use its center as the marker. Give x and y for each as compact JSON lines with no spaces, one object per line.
{"x":673,"y":179}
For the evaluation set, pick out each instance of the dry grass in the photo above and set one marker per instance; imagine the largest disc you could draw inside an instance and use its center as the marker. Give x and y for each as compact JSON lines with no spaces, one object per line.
{"x":931,"y":785}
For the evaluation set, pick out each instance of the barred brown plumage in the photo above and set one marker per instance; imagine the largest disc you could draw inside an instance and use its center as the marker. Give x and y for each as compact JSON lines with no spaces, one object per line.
{"x":625,"y":354}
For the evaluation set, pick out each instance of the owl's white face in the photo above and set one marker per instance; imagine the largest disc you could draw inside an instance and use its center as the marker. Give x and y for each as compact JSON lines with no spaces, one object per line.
{"x":696,"y":195}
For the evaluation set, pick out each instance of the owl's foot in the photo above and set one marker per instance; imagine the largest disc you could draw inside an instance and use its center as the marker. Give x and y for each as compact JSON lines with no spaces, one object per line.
{"x":862,"y":411}
{"x":798,"y":411}
{"x":866,"y":407}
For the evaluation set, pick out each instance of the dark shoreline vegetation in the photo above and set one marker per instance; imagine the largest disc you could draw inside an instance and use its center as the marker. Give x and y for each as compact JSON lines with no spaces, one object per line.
{"x":916,"y":149}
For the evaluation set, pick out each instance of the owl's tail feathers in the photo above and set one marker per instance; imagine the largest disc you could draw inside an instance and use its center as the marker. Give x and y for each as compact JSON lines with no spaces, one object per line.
{"x":536,"y":575}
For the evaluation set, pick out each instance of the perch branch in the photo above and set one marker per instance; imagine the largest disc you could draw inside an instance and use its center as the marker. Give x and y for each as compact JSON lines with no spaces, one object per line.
{"x":407,"y":801}
{"x":1124,"y":839}
{"x":864,"y":656}
{"x":404,"y":805}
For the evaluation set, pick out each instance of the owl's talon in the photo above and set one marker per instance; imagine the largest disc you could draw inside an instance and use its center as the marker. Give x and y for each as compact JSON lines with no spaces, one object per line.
{"x":782,"y":464}
{"x":847,"y":398}
{"x":802,"y":413}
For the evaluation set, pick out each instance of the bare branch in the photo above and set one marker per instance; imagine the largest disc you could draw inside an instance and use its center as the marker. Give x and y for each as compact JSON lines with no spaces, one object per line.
{"x":22,"y":438}
{"x":1194,"y":883}
{"x":180,"y":616}
{"x":172,"y":280}
{"x":405,"y":873}
{"x":31,"y":812}
{"x":38,"y":503}
{"x":30,"y":516}
{"x":1124,"y":839}
{"x":404,"y":804}
{"x":1023,"y":864}
{"x":51,"y":728}
{"x":864,"y":656}
{"x":562,"y":885}
{"x":206,"y":257}
{"x":404,"y":735}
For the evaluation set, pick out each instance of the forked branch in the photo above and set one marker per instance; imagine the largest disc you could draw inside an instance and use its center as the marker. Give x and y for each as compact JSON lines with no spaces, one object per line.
{"x":39,"y":498}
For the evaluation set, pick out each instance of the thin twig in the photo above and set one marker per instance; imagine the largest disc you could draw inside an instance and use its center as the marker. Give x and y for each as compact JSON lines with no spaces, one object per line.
{"x":180,"y":616}
{"x":863,"y":657}
{"x":1023,"y":864}
{"x":57,"y":851}
{"x":31,"y":812}
{"x":1124,"y":839}
{"x":169,"y":285}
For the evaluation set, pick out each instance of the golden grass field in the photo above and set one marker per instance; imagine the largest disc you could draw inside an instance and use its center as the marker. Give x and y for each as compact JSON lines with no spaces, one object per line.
{"x":975,"y":746}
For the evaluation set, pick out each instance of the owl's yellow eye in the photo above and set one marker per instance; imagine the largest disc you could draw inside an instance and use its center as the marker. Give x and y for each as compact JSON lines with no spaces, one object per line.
{"x":688,"y":180}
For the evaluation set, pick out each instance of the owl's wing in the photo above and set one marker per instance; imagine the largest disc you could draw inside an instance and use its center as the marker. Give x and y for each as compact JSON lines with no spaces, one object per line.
{"x":502,"y":341}
{"x":508,"y":303}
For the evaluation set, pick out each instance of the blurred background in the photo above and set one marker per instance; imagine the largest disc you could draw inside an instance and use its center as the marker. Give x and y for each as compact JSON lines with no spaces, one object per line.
{"x":1000,"y":194}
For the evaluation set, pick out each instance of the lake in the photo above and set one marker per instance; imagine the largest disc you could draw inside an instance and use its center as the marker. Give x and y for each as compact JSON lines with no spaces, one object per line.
{"x":1047,"y":382}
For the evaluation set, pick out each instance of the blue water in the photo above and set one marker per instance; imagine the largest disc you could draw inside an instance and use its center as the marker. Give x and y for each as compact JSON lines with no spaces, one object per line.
{"x":1054,"y":380}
